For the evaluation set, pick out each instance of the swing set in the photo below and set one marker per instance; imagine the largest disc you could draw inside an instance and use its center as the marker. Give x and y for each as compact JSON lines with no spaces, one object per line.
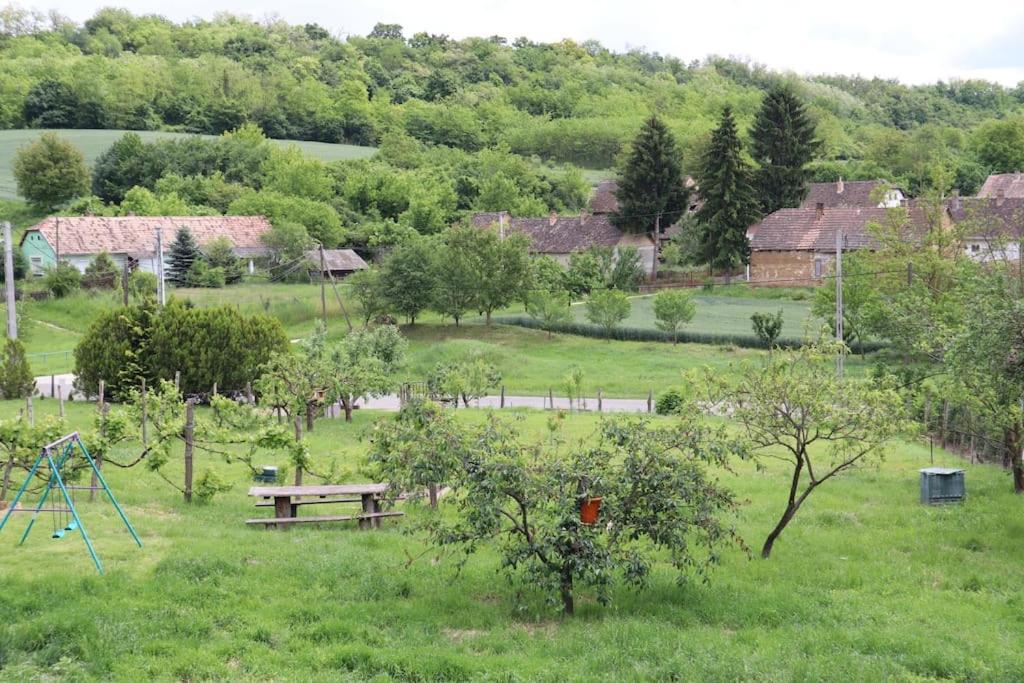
{"x":58,"y":458}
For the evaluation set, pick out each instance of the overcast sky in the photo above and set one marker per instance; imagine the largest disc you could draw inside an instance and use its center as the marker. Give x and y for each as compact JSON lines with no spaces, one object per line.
{"x":911,"y":40}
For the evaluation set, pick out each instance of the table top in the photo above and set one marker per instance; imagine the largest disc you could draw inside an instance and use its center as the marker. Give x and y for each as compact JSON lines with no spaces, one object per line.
{"x":322,"y":490}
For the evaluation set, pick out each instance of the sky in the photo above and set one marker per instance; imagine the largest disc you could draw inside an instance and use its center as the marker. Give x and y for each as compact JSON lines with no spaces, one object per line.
{"x":914,"y":41}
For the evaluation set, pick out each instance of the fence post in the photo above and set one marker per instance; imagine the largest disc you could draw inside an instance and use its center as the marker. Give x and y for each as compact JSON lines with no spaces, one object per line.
{"x":214,"y":392}
{"x":189,"y":435}
{"x":53,"y":386}
{"x":60,"y":401}
{"x":502,"y":396}
{"x":600,"y":400}
{"x":142,"y":405}
{"x":30,"y":411}
{"x":432,"y":491}
{"x":100,"y":405}
{"x":650,"y":400}
{"x":551,"y":399}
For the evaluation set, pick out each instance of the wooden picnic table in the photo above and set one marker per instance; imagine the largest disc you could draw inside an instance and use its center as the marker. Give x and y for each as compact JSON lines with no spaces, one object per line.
{"x":287,"y":499}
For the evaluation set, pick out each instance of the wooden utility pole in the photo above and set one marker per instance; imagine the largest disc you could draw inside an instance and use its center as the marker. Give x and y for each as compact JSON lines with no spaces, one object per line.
{"x":189,"y":434}
{"x":323,"y":285}
{"x":124,"y":282}
{"x":12,"y":314}
{"x":161,"y":294}
{"x":839,"y":299}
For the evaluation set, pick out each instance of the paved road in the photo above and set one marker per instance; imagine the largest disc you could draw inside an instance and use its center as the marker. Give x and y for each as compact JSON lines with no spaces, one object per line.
{"x":50,"y":385}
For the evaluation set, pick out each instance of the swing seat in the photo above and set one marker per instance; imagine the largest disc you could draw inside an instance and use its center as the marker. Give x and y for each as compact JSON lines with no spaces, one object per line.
{"x":59,"y":533}
{"x":72,"y":525}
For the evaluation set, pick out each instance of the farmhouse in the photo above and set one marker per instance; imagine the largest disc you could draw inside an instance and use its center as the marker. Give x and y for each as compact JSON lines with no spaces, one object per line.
{"x":337,"y":263}
{"x":605,"y":202}
{"x":1005,"y":185}
{"x":796,"y":247}
{"x":851,"y":193}
{"x":992,"y":227}
{"x":560,"y":236}
{"x":133,"y":238}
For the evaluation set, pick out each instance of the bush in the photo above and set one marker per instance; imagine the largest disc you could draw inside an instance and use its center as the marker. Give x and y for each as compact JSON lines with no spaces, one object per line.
{"x":142,"y":285}
{"x":101,"y":273}
{"x":669,"y":402}
{"x":767,"y":327}
{"x":16,"y":380}
{"x":62,"y":280}
{"x":202,"y":274}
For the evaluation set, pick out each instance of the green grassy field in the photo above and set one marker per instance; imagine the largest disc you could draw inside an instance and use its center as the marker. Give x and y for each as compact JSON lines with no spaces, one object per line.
{"x":723,"y":315}
{"x":866,"y":584}
{"x":93,"y":142}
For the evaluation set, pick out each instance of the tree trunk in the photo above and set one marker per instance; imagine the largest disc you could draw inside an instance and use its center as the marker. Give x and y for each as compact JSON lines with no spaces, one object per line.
{"x":310,"y":416}
{"x":488,"y":318}
{"x":346,"y":404}
{"x":1013,"y":457}
{"x":791,"y":507}
{"x":456,"y":320}
{"x":568,"y":606}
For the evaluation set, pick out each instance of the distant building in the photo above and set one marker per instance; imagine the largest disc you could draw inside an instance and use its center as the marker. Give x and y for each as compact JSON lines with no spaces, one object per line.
{"x":604,"y":202}
{"x":133,"y":238}
{"x":560,"y":236}
{"x":1005,"y":185}
{"x":338,"y":263}
{"x":851,"y":194}
{"x":992,"y":227}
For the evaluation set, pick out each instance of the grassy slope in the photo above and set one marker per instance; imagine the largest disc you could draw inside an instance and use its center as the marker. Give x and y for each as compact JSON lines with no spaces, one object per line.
{"x":866,"y":584}
{"x":93,"y":142}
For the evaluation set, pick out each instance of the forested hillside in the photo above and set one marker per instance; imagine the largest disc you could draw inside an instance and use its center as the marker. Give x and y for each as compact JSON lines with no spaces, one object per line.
{"x":563,"y":102}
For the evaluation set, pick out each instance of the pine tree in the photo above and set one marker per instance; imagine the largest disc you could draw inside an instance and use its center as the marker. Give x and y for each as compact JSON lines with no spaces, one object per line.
{"x":730,"y":200}
{"x":652,"y":193}
{"x":782,"y":143}
{"x":183,"y":254}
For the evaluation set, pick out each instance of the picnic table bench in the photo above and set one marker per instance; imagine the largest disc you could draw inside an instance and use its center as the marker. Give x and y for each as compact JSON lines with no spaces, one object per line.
{"x":286,"y":501}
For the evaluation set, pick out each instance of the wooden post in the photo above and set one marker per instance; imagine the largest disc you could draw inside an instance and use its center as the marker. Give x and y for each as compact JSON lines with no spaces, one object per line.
{"x":214,"y":391}
{"x":142,"y":405}
{"x":95,"y":483}
{"x":248,"y":393}
{"x":30,"y":411}
{"x":124,"y":282}
{"x":298,"y":437}
{"x":600,"y":400}
{"x":189,"y":439}
{"x":945,"y":421}
{"x":177,"y":380}
{"x":60,"y":401}
{"x":432,"y":491}
{"x":650,"y":400}
{"x":502,"y":396}
{"x":551,"y":399}
{"x":53,"y":386}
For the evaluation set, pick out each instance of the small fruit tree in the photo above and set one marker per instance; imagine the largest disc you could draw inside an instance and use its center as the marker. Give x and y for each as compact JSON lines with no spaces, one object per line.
{"x":658,"y":498}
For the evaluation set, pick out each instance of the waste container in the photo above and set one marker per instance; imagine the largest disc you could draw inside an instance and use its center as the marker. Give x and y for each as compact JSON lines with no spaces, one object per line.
{"x":942,"y":485}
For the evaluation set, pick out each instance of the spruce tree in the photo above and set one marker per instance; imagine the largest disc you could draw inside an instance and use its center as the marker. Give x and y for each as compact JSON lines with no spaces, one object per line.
{"x":782,"y":143}
{"x":183,"y":254}
{"x":730,"y":199}
{"x":651,"y":192}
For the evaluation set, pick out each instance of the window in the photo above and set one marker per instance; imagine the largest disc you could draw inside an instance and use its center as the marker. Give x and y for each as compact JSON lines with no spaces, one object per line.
{"x":37,"y":265}
{"x":975,"y":248}
{"x":817,"y":267}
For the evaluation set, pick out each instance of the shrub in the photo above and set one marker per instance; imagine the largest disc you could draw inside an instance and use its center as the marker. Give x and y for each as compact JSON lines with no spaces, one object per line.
{"x":767,"y":327}
{"x":142,"y":285}
{"x":670,"y":402}
{"x":16,"y":380}
{"x":219,"y":253}
{"x":101,"y":273}
{"x":202,"y":274}
{"x":608,"y":308}
{"x":62,"y":280}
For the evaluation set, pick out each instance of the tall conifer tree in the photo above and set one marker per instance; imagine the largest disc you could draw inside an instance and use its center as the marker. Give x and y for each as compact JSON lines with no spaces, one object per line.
{"x":782,"y":143}
{"x":652,"y":193}
{"x":730,"y":199}
{"x":183,"y":254}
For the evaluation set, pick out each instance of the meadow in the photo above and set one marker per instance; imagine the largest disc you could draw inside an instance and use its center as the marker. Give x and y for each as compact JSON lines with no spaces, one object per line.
{"x":92,"y":143}
{"x":866,"y":584}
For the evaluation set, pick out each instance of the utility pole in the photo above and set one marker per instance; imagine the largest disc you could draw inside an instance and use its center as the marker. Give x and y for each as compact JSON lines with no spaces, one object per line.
{"x":56,"y":247}
{"x":12,"y":314}
{"x":657,"y":241}
{"x":323,"y":285}
{"x":839,"y":298}
{"x":124,"y":281}
{"x":160,"y":294}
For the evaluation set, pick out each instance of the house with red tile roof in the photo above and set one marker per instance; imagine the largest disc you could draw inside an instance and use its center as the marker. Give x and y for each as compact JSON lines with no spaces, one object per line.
{"x":1003,"y":185}
{"x":78,"y":239}
{"x":851,"y":194}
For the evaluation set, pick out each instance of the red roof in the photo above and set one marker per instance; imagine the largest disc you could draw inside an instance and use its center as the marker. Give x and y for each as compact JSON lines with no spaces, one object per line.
{"x":557,"y":234}
{"x":809,"y":230}
{"x":1010,"y":184}
{"x":136,"y":235}
{"x":849,"y":193}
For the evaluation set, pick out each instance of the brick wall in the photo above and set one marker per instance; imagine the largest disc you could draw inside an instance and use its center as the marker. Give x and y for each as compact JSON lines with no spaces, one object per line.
{"x":786,"y":268}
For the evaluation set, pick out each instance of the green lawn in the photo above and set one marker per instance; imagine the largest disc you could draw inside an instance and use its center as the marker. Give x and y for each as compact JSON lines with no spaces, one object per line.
{"x":723,"y":315}
{"x":866,"y":584}
{"x":93,"y":142}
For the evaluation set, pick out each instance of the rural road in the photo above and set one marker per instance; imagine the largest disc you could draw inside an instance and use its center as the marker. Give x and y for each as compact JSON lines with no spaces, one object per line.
{"x":50,"y":385}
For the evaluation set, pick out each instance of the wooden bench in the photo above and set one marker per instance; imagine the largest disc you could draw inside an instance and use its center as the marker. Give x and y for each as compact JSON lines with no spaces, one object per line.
{"x":287,"y":499}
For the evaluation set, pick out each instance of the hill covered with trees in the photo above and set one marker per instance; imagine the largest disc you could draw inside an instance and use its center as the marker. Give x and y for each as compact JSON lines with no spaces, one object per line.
{"x":565,"y":102}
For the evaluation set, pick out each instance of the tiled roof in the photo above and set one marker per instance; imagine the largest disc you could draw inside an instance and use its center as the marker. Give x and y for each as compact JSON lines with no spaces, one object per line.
{"x":605,"y":201}
{"x":988,"y":216}
{"x":809,"y":230}
{"x":136,"y":235}
{"x":337,"y":259}
{"x":850,"y":193}
{"x":558,"y":234}
{"x":1011,"y":184}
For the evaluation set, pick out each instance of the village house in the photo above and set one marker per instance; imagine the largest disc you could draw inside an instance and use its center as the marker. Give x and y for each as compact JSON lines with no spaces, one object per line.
{"x":79,"y":239}
{"x":991,"y":227}
{"x":851,"y":193}
{"x":559,"y":236}
{"x":605,"y":202}
{"x":337,"y":263}
{"x":1004,"y":185}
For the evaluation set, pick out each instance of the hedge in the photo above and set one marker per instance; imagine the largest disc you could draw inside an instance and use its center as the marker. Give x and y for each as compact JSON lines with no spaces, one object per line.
{"x":748,"y":341}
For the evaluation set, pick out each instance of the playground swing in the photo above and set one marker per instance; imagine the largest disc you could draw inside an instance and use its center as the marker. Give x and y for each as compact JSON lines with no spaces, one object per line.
{"x":58,"y":458}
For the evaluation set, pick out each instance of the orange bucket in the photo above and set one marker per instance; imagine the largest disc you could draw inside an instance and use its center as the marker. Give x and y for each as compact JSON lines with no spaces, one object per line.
{"x":589,"y":510}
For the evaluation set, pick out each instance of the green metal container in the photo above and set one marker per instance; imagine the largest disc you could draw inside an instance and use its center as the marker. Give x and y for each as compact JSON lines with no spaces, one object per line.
{"x":942,"y":485}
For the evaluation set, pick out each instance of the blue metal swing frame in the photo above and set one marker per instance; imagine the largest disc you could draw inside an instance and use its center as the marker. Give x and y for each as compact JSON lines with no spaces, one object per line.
{"x":66,"y":446}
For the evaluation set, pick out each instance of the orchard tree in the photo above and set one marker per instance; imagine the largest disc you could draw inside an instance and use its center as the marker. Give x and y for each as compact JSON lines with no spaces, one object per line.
{"x":796,"y":411}
{"x":16,"y":380}
{"x":782,"y":143}
{"x":548,"y":308}
{"x":456,"y":270}
{"x":368,"y":289}
{"x":502,"y":270}
{"x":730,"y":200}
{"x":767,"y":328}
{"x":658,"y":500}
{"x":673,"y":308}
{"x":408,"y":277}
{"x":366,"y":363}
{"x":467,"y":379}
{"x":607,"y":308}
{"x":50,"y":172}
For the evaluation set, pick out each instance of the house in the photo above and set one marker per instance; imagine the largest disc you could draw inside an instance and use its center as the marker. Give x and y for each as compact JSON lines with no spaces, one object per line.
{"x":604,"y":202}
{"x":133,"y":238}
{"x":337,"y":263}
{"x":796,"y":247}
{"x":559,"y":236}
{"x":991,"y":227}
{"x":1005,"y":185}
{"x":851,"y":193}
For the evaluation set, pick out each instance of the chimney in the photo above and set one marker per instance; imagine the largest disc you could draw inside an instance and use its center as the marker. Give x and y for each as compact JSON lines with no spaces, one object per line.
{"x":819,"y":210}
{"x":553,"y":218}
{"x":839,"y":186}
{"x":584,"y":215}
{"x":1000,"y":196}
